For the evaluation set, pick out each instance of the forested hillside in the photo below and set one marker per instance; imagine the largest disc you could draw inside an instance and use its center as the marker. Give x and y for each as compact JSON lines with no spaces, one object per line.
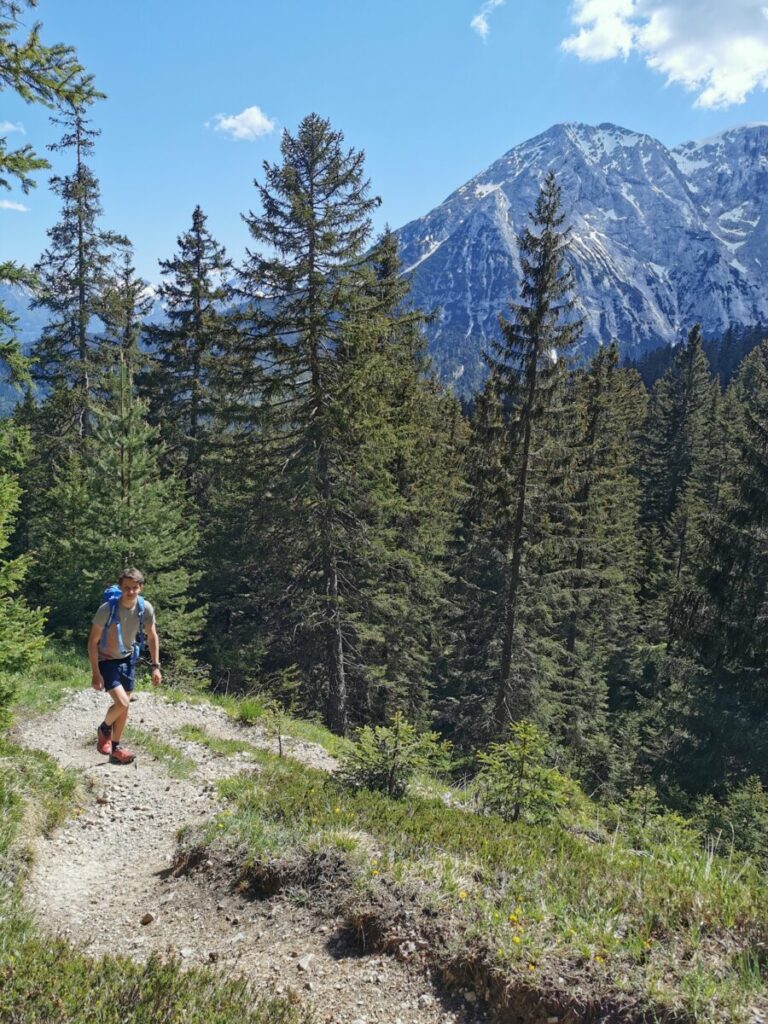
{"x":317,"y":517}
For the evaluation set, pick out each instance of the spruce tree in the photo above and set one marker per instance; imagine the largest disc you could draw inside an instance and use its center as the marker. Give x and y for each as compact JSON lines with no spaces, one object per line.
{"x":347,"y":442}
{"x":678,"y":475}
{"x":598,"y":563}
{"x":477,"y":567}
{"x":314,"y":225}
{"x":72,"y":274}
{"x":410,"y":441}
{"x":39,"y":74}
{"x":21,"y":627}
{"x":726,"y":734}
{"x":188,"y":349}
{"x":529,"y":366}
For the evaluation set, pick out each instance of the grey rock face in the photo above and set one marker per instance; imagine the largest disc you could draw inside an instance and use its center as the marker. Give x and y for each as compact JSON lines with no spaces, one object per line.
{"x":661,"y":239}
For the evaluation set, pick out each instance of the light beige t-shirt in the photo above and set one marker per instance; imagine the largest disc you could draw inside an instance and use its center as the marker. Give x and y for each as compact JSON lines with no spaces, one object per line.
{"x":129,"y":624}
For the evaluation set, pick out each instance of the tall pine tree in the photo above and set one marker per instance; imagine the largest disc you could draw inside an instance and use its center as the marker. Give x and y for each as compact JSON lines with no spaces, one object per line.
{"x":72,"y":273}
{"x":529,"y":368}
{"x":187,"y":351}
{"x":598,"y":562}
{"x":314,"y":225}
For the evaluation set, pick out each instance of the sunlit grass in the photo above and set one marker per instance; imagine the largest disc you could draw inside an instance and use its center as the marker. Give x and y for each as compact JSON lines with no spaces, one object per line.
{"x":176,"y":763}
{"x":533,"y":901}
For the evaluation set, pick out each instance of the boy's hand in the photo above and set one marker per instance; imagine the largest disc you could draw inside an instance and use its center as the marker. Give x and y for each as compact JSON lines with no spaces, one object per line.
{"x":96,"y":681}
{"x":157,"y":677}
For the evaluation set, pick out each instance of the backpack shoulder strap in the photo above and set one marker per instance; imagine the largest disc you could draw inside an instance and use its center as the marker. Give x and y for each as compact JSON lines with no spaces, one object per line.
{"x":113,"y":619}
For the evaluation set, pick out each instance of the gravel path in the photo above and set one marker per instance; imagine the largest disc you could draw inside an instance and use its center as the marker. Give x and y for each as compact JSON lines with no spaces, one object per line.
{"x":107,"y":870}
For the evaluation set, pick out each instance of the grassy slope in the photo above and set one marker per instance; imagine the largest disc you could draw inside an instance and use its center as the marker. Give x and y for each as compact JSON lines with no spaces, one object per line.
{"x":653,"y":928}
{"x":665,"y":930}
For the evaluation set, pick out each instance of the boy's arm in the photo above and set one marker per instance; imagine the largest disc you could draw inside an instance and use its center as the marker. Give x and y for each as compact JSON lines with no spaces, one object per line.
{"x":153,"y":641}
{"x":93,"y":656}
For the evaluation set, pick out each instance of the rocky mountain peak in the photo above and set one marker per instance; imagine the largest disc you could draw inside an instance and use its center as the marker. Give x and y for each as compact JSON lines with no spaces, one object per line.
{"x":661,"y":238}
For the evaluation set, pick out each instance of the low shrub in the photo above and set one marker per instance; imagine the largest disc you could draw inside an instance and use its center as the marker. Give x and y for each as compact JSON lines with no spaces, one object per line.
{"x":386,"y":758}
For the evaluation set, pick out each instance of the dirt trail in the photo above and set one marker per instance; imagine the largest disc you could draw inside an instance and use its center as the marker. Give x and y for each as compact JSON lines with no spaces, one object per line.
{"x":124,"y":841}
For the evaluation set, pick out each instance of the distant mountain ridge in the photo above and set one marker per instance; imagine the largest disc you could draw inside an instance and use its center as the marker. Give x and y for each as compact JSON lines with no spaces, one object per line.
{"x":661,"y":239}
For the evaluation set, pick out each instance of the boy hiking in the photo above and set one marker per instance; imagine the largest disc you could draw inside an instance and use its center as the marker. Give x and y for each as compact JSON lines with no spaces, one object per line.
{"x":114,"y":632}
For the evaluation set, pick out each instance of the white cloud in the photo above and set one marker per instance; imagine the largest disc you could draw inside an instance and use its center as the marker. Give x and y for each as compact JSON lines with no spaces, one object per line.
{"x":716,"y":49}
{"x":8,"y":204}
{"x":245,"y":126}
{"x":480,"y":21}
{"x":6,"y":127}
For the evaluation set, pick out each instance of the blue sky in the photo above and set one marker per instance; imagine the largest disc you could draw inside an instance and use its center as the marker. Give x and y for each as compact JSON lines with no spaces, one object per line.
{"x":432,"y":90}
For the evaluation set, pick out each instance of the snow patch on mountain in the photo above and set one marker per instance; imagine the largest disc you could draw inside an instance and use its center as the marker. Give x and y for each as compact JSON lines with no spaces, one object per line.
{"x":660,"y":239}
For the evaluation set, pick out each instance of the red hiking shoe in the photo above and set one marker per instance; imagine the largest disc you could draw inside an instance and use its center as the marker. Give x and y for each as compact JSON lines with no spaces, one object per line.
{"x":104,"y":741}
{"x":120,"y":755}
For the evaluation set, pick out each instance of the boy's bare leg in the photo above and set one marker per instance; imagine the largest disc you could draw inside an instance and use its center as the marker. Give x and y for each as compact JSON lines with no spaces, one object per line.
{"x":117,"y":715}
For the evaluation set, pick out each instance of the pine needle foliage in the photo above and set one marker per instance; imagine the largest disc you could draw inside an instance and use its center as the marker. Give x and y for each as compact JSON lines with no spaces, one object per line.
{"x":343,"y":442}
{"x":72,"y":274}
{"x":40,"y":74}
{"x":386,"y":758}
{"x":188,"y":350}
{"x":529,"y":373}
{"x":514,"y":780}
{"x":21,"y":627}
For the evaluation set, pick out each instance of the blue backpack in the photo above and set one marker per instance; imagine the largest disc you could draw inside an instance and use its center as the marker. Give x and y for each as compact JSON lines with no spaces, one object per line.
{"x":112,"y":597}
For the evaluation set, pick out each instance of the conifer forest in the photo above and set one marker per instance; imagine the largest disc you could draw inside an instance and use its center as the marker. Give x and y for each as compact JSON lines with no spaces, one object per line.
{"x":321,"y":519}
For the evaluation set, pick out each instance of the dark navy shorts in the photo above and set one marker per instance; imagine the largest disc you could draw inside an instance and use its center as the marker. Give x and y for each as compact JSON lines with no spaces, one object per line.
{"x":117,"y":673}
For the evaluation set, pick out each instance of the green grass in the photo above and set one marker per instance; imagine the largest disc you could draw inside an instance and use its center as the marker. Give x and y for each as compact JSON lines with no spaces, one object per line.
{"x":177,"y":764}
{"x":657,"y":921}
{"x":45,"y":981}
{"x":668,"y":924}
{"x":218,"y":746}
{"x":250,"y":710}
{"x":43,"y":687}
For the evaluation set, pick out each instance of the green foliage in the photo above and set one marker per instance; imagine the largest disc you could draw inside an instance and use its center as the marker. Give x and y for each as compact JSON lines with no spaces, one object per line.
{"x":42,"y":685}
{"x":176,"y":764}
{"x":515,"y":782}
{"x":44,"y":982}
{"x":40,"y":74}
{"x":740,"y":822}
{"x":526,"y":469}
{"x":649,"y":826}
{"x":250,"y":710}
{"x":73,"y":274}
{"x":189,"y":354}
{"x":531,"y":901}
{"x":337,"y":485}
{"x":21,"y":627}
{"x":386,"y":758}
{"x":138,"y":518}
